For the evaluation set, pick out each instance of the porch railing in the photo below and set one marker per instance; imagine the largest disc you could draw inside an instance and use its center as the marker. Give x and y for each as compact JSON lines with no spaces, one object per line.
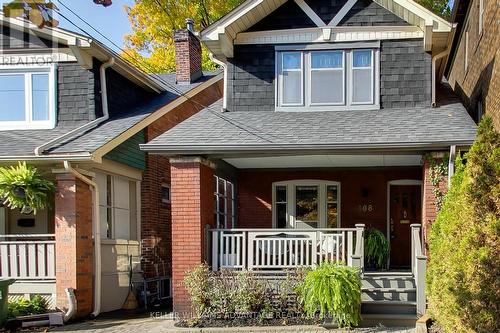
{"x":277,"y":249}
{"x":27,"y":257}
{"x":418,"y":267}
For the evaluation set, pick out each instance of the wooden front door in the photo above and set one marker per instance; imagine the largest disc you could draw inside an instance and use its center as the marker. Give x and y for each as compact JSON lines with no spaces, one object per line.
{"x":405,"y":209}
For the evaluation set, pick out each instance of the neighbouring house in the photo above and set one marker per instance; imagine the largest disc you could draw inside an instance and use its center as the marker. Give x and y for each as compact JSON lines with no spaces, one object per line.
{"x":332,"y":115}
{"x":78,"y":112}
{"x":473,"y":69}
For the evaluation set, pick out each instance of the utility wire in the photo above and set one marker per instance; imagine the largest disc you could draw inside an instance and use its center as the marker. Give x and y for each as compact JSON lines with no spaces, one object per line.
{"x":235,"y":123}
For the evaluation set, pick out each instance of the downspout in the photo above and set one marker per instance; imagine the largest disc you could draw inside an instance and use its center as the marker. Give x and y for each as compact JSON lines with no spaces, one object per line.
{"x":105,"y":113}
{"x":224,"y":93}
{"x":97,"y":236}
{"x":451,"y":164}
{"x":434,"y":60}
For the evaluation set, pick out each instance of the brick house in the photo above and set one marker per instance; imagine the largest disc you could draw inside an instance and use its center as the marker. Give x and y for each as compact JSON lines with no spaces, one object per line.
{"x":329,"y":110}
{"x":78,"y":111}
{"x":473,"y":70}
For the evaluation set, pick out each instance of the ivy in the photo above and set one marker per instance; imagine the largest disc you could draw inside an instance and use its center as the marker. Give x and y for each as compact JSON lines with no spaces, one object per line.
{"x":438,"y":173}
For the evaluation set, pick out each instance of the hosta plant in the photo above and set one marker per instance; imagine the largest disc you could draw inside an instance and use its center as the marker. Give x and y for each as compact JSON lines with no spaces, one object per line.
{"x":376,"y":248}
{"x":333,"y":290}
{"x":22,"y":186}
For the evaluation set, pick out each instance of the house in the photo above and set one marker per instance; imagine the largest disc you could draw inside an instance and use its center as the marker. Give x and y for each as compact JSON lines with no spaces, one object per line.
{"x":473,"y":70}
{"x":333,"y":114}
{"x":78,"y":112}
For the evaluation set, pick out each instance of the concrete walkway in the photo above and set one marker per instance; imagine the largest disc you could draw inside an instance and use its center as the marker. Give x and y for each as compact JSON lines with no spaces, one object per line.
{"x":166,"y":325}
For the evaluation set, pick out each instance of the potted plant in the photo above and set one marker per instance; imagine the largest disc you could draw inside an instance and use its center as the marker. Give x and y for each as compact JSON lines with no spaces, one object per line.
{"x":24,"y":187}
{"x":376,"y":249}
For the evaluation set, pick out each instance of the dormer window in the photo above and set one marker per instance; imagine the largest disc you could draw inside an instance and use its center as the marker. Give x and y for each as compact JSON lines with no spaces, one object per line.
{"x":327,"y":79}
{"x":27,"y":98}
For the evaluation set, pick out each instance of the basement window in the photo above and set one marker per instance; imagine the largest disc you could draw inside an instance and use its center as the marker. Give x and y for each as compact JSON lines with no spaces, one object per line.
{"x":327,"y":79}
{"x":28,"y":98}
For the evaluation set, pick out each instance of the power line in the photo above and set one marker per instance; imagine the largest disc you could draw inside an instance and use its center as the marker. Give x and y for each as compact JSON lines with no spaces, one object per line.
{"x":241,"y":126}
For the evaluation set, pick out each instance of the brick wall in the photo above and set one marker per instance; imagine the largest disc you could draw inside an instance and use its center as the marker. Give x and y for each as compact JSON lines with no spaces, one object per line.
{"x":187,"y":56}
{"x":481,"y":80}
{"x":255,"y":193}
{"x":405,"y":76}
{"x":192,"y":209}
{"x":74,"y":246}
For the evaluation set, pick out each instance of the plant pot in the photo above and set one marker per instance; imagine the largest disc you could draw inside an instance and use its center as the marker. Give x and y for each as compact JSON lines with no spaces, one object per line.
{"x":19,"y":192}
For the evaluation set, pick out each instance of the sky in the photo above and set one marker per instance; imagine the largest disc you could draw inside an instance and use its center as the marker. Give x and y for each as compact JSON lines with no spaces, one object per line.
{"x":111,"y":21}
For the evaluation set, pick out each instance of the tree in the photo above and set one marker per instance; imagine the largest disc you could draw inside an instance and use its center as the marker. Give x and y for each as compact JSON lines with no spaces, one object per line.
{"x":440,"y":7}
{"x":150,"y":45}
{"x":463,"y":284}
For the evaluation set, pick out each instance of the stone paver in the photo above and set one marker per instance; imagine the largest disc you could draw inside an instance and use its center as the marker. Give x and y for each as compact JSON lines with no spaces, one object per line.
{"x":162,"y":325}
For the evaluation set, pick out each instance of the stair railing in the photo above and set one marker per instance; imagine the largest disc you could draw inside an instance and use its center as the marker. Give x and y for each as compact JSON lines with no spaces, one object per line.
{"x":418,"y":267}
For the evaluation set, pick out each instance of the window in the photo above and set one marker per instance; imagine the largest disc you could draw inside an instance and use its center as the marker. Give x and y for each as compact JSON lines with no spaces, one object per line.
{"x":165,"y":193}
{"x":118,"y":206}
{"x":224,"y":203}
{"x":481,"y":16}
{"x":309,"y":80}
{"x":27,"y":97}
{"x":306,"y":204}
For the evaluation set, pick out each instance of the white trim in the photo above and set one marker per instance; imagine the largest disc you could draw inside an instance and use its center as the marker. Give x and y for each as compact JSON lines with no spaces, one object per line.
{"x":328,"y":46}
{"x":399,"y":182}
{"x":28,"y":71}
{"x":310,"y":13}
{"x":322,"y":200}
{"x":481,"y":17}
{"x":466,"y":50}
{"x":342,"y":13}
{"x":338,"y":34}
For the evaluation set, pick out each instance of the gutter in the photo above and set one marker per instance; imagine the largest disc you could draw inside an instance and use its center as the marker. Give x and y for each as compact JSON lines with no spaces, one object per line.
{"x":224,"y":90}
{"x":434,"y":60}
{"x":104,"y":95}
{"x":97,"y":236}
{"x":68,"y":157}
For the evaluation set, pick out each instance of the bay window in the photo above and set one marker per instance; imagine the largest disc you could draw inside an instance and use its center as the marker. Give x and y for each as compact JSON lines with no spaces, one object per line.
{"x":306,"y":204}
{"x":327,"y":79}
{"x":27,"y":97}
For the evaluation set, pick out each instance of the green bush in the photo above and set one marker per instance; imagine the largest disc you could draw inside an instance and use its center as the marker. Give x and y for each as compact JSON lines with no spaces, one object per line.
{"x":376,"y":248}
{"x":463,"y":280}
{"x":333,"y":290}
{"x":24,"y":307}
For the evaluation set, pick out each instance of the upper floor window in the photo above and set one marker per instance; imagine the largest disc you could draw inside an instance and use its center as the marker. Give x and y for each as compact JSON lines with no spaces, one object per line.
{"x":327,"y":79}
{"x":27,"y":97}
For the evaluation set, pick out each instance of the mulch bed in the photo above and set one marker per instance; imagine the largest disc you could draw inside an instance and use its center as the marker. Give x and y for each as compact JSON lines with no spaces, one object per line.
{"x":240,"y":321}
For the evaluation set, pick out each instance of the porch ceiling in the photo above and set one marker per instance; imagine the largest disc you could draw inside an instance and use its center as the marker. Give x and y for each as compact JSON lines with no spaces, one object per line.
{"x":325,"y":161}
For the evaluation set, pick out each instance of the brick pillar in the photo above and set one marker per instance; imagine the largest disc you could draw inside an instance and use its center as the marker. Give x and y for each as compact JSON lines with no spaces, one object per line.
{"x":192,"y":208}
{"x":74,"y":246}
{"x":429,"y":209}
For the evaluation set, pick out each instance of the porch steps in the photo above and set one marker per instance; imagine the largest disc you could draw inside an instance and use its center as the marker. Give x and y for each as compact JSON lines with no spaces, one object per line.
{"x":388,"y":298}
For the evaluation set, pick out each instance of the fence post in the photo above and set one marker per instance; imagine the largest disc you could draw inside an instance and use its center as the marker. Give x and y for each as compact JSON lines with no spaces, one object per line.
{"x":215,"y":250}
{"x":250,"y":250}
{"x":358,"y":257}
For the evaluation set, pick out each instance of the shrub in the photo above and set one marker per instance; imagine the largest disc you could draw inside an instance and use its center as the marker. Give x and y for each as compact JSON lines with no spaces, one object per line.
{"x":463,"y":283}
{"x":24,"y":307}
{"x":333,"y":290}
{"x":376,"y":248}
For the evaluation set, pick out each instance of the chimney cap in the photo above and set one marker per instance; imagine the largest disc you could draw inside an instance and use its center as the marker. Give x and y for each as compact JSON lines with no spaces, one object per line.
{"x":190,"y":24}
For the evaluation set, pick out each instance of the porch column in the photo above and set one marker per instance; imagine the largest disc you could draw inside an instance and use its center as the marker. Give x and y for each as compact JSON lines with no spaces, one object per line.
{"x":192,"y":188}
{"x":74,"y":248}
{"x":429,"y":208}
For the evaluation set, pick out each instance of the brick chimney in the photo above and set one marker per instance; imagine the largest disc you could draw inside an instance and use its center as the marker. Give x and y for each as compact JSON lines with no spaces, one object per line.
{"x":187,"y":54}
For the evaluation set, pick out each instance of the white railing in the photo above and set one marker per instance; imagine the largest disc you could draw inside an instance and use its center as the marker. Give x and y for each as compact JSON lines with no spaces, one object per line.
{"x":418,"y":267}
{"x":27,"y":257}
{"x":276,"y":249}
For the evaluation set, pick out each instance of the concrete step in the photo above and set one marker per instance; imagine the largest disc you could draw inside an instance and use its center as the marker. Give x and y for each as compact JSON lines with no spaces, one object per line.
{"x":388,"y":294}
{"x":387,"y":282}
{"x":389,"y":307}
{"x":388,"y":320}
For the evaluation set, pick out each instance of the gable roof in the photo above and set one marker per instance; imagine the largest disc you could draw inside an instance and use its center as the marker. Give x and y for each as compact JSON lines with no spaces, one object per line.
{"x":232,"y":133}
{"x":220,"y":36}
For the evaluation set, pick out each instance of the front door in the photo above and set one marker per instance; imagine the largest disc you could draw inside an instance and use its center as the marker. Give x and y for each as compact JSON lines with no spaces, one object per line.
{"x":405,"y":209}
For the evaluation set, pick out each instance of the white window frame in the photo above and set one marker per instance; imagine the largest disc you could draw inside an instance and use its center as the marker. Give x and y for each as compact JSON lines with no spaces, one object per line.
{"x":28,"y":71}
{"x":227,"y":201}
{"x":309,"y":77}
{"x":348,"y":104}
{"x":372,"y":70}
{"x":291,"y":205}
{"x":301,"y":70}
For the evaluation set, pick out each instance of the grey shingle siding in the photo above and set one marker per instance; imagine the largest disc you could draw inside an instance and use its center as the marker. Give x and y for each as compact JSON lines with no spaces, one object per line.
{"x":405,"y":76}
{"x":287,"y":16}
{"x":15,"y":39}
{"x":76,"y":103}
{"x":369,"y":13}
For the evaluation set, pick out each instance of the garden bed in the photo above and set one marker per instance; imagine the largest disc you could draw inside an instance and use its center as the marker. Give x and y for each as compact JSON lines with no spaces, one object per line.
{"x":251,"y":320}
